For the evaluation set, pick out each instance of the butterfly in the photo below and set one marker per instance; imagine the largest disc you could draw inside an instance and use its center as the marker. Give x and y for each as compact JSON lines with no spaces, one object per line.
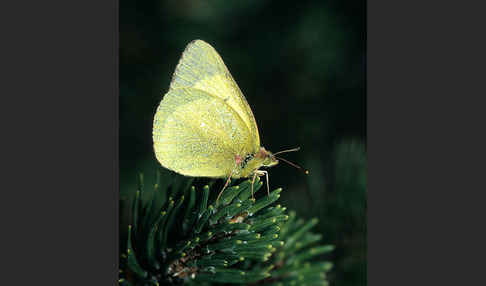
{"x":204,"y":126}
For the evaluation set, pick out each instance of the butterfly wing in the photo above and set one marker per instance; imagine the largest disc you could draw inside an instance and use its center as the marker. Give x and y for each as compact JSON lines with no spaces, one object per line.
{"x":197,"y":134}
{"x":202,"y":68}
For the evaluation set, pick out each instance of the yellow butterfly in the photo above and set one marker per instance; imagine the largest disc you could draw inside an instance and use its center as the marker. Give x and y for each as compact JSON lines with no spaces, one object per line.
{"x":204,"y":126}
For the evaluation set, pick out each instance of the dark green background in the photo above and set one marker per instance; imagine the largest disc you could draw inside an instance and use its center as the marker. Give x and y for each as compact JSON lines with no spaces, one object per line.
{"x":301,"y":66}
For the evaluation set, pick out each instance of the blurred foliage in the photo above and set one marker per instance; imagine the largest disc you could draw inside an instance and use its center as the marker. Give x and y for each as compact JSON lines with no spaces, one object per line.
{"x":301,"y":66}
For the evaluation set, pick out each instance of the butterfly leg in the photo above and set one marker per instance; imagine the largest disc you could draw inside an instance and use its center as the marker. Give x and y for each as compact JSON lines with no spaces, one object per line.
{"x":224,"y":187}
{"x":261,"y":173}
{"x":252,"y":182}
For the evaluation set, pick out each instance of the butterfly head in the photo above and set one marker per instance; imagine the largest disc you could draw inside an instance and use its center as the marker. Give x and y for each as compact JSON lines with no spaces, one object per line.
{"x":268,"y":158}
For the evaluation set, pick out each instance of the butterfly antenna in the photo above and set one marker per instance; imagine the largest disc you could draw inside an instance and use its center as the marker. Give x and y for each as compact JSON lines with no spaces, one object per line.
{"x":286,"y":151}
{"x":293,"y":164}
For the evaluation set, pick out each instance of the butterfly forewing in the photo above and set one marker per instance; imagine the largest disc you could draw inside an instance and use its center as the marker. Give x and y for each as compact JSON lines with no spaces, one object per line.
{"x":202,"y":68}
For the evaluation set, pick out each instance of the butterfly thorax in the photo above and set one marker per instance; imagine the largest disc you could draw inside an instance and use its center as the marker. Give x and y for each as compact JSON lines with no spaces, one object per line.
{"x":247,"y":164}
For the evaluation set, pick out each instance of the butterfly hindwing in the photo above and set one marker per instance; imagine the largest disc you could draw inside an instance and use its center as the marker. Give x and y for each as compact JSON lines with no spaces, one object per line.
{"x":197,"y":134}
